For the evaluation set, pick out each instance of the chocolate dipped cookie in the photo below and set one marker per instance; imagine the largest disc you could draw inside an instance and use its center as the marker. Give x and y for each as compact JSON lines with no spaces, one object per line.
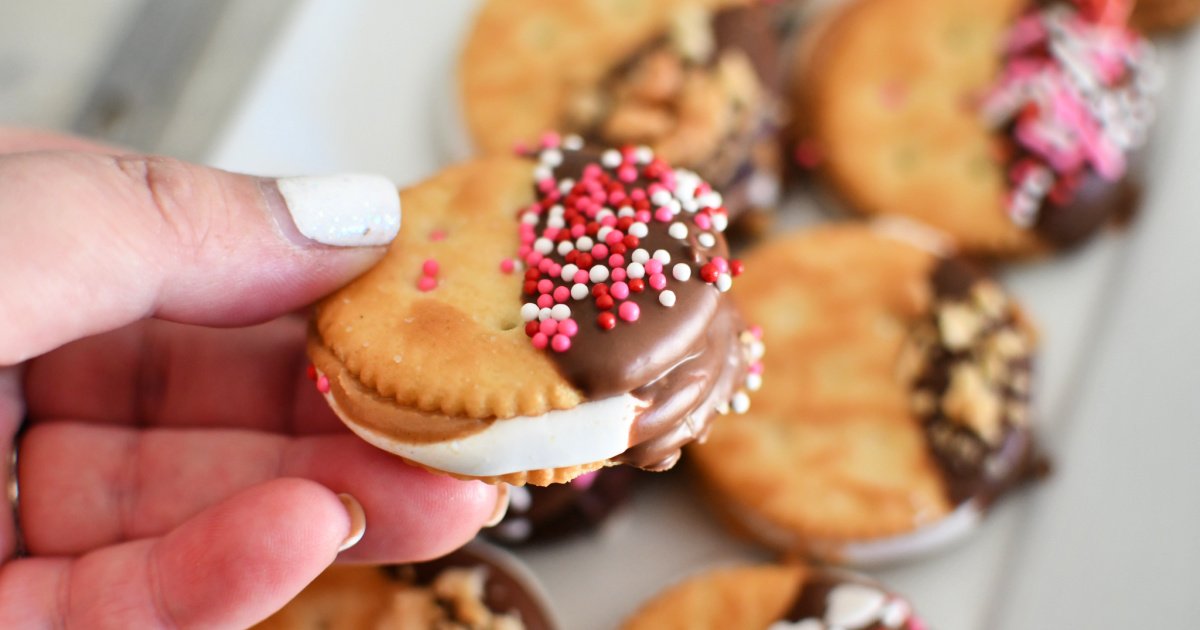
{"x":697,"y":81}
{"x":1159,"y":16}
{"x":898,"y":405}
{"x":541,"y":316}
{"x":1011,"y":126}
{"x":544,"y":514}
{"x":776,"y":597}
{"x":477,"y":587}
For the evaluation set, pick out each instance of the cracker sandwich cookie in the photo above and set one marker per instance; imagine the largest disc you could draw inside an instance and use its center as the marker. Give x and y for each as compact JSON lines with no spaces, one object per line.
{"x":1158,"y":16}
{"x":539,"y":317}
{"x":776,"y":597}
{"x":477,"y":587}
{"x":898,"y":405}
{"x":698,"y":81}
{"x":544,"y":514}
{"x":1006,"y":124}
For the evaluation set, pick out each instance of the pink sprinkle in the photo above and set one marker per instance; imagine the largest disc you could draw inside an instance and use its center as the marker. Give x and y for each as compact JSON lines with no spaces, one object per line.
{"x":614,"y":236}
{"x":323,"y":384}
{"x":585,"y":481}
{"x":756,"y":367}
{"x":653,"y":266}
{"x":430,"y":267}
{"x":545,"y":285}
{"x":426,"y":283}
{"x":520,"y":148}
{"x":658,"y":282}
{"x":629,"y":311}
{"x":524,"y":251}
{"x":592,"y":171}
{"x":598,"y":197}
{"x":628,"y":154}
{"x":916,"y":623}
{"x":534,"y":259}
{"x":610,"y":221}
{"x":544,"y":266}
{"x":540,"y":340}
{"x":437,"y":235}
{"x":553,"y":195}
{"x":618,"y":274}
{"x":619,"y":290}
{"x":616,"y":197}
{"x":722,"y":266}
{"x":642,"y":216}
{"x":545,"y":300}
{"x":546,"y":185}
{"x":568,"y":327}
{"x":549,"y":326}
{"x":581,"y":277}
{"x":756,"y":331}
{"x":653,"y":188}
{"x":550,"y":140}
{"x":555,"y":270}
{"x":550,"y":233}
{"x":561,"y":343}
{"x":638,"y":194}
{"x":626,"y":173}
{"x":703,"y":188}
{"x":599,"y":251}
{"x":578,"y":230}
{"x":507,"y":265}
{"x":561,"y":294}
{"x":703,"y":222}
{"x":615,"y":261}
{"x":527,"y":238}
{"x":668,"y":179}
{"x":663,"y":214}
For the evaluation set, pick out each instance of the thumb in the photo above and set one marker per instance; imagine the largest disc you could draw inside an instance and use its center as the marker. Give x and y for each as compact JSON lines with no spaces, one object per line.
{"x":92,"y":242}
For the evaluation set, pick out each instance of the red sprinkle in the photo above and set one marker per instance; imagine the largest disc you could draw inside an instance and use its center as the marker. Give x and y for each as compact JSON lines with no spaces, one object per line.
{"x":426,"y":283}
{"x":531,"y":286}
{"x":604,"y":302}
{"x":736,"y":267}
{"x":629,"y":311}
{"x":709,"y":273}
{"x":584,"y":261}
{"x":619,"y":248}
{"x":312,"y":372}
{"x":532,"y":328}
{"x":637,"y":285}
{"x":430,"y":267}
{"x":323,"y":384}
{"x":607,"y":321}
{"x":599,"y":289}
{"x":631,"y":241}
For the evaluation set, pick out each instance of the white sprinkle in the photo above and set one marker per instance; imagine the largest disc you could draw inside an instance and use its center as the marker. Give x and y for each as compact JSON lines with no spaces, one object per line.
{"x":556,"y":210}
{"x":560,"y":312}
{"x":639,"y":255}
{"x":604,"y":212}
{"x":625,"y":211}
{"x":543,"y":246}
{"x":610,"y":158}
{"x":757,"y":349}
{"x":853,"y":605}
{"x":542,"y":172}
{"x":662,"y":256}
{"x":753,"y":382}
{"x":660,"y":197}
{"x":529,"y":218}
{"x":675,"y":206}
{"x":740,"y":402}
{"x":639,"y":229}
{"x":584,"y":244}
{"x":635,"y":270}
{"x":678,"y":230}
{"x":598,"y":273}
{"x":720,"y":221}
{"x":565,"y":248}
{"x":566,"y":185}
{"x":568,"y":271}
{"x":706,"y":239}
{"x":602,"y":234}
{"x":666,"y":297}
{"x":724,"y":282}
{"x":643,"y":155}
{"x":689,"y":205}
{"x":551,"y":157}
{"x":529,"y":312}
{"x":682,"y":272}
{"x":544,"y":314}
{"x":896,"y":612}
{"x":710,"y":199}
{"x":556,"y":222}
{"x":685,"y":184}
{"x":579,"y":291}
{"x":572,"y":142}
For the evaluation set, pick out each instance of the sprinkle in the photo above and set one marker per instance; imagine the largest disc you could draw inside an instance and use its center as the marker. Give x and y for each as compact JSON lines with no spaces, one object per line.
{"x":654,"y":266}
{"x":604,"y":302}
{"x":564,"y":247}
{"x":658,"y":282}
{"x":507,"y":266}
{"x":636,"y":270}
{"x":545,"y":285}
{"x":722,"y":266}
{"x":532,"y":328}
{"x":706,"y":239}
{"x":710,"y":199}
{"x":610,"y":158}
{"x":579,"y":291}
{"x":550,"y":140}
{"x":581,"y":277}
{"x":663,"y":214}
{"x":629,"y":311}
{"x":611,"y":237}
{"x":756,"y":350}
{"x":529,"y":312}
{"x":637,"y":285}
{"x":662,"y":255}
{"x":530,"y":287}
{"x":625,"y":211}
{"x":312,"y":372}
{"x":561,"y":294}
{"x":599,"y":251}
{"x":667,"y":298}
{"x":633,"y":240}
{"x":709,"y":272}
{"x":572,"y":142}
{"x":599,"y":273}
{"x":736,"y":267}
{"x":599,"y":289}
{"x":430,"y":268}
{"x":585,"y":243}
{"x":753,"y":382}
{"x":426,"y":283}
{"x":703,"y":221}
{"x":619,"y":290}
{"x":682,"y":272}
{"x":757,"y":331}
{"x":568,"y":327}
{"x":640,"y":256}
{"x":724,"y":282}
{"x":323,"y":384}
{"x":548,"y":327}
{"x":660,"y":197}
{"x":551,"y":157}
{"x":543,"y":314}
{"x":643,"y":155}
{"x":545,"y":300}
{"x":540,"y":341}
{"x":607,"y":321}
{"x":568,"y":272}
{"x":678,"y":230}
{"x":560,"y":312}
{"x":566,"y":185}
{"x":720,"y":222}
{"x":740,"y":402}
{"x":560,"y":343}
{"x":626,"y":173}
{"x":437,"y":235}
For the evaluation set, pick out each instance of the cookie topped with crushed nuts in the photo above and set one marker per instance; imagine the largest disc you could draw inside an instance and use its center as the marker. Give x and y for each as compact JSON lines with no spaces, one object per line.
{"x":898,"y":405}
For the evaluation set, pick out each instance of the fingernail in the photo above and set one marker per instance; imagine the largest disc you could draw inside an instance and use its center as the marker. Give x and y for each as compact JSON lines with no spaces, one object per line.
{"x":358,"y":521}
{"x":501,"y":508}
{"x":343,"y":210}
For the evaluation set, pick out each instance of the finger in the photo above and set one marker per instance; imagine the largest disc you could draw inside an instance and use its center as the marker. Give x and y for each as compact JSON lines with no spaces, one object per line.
{"x":231,"y":566}
{"x":156,"y":373}
{"x":93,"y":242}
{"x":86,"y":486}
{"x":20,"y":140}
{"x":11,"y":412}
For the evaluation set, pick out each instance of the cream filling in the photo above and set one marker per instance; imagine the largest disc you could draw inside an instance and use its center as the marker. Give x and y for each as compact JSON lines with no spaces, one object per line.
{"x":591,"y":432}
{"x":924,"y":540}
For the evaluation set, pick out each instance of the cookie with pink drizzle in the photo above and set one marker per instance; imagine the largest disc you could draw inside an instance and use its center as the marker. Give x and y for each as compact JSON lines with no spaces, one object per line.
{"x":542,"y":316}
{"x":1011,"y":127}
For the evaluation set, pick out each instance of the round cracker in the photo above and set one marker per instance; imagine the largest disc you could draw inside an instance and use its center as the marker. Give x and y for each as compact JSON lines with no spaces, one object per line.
{"x":739,"y":598}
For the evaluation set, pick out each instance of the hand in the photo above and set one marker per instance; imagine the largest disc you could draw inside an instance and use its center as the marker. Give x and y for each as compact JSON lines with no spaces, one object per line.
{"x":174,"y":475}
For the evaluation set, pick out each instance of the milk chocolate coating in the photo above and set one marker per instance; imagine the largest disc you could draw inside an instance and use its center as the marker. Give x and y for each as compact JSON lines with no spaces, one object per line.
{"x":683,"y":361}
{"x":813,"y":599}
{"x":563,"y":510}
{"x":1096,"y":203}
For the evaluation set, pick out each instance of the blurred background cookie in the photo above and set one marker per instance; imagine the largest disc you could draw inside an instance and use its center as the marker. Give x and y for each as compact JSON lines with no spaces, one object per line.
{"x":1158,"y":16}
{"x":896,"y":404}
{"x":776,"y":597}
{"x":522,"y":331}
{"x":542,"y":514}
{"x":699,"y":82}
{"x":1009,"y":125}
{"x":477,"y":587}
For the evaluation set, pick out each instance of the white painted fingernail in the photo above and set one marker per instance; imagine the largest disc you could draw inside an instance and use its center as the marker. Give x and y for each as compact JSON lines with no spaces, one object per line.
{"x":343,"y":210}
{"x":358,"y":521}
{"x":502,"y":498}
